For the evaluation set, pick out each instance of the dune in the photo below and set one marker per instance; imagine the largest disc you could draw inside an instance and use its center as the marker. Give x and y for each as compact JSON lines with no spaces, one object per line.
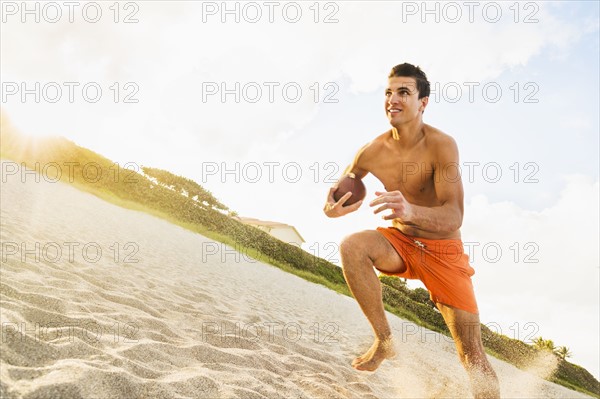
{"x":99,"y":301}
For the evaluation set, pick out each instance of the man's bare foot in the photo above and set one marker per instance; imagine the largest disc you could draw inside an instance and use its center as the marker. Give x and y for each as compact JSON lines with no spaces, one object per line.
{"x":377,"y":353}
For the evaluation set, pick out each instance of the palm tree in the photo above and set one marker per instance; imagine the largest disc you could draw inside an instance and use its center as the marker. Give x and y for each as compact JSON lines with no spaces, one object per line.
{"x":563,"y":352}
{"x":538,"y":342}
{"x":543,"y":344}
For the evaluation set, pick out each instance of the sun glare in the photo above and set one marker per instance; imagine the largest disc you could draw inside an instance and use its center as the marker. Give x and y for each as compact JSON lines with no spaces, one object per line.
{"x":24,"y":122}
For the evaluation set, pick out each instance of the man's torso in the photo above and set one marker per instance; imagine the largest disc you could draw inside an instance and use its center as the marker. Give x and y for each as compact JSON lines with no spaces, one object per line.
{"x":411,"y":170}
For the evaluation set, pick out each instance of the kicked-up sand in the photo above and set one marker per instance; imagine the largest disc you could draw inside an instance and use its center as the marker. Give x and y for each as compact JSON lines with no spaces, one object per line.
{"x":102,"y":302}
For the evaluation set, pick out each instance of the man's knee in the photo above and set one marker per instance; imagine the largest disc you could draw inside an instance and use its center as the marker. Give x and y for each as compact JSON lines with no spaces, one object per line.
{"x":355,"y":244}
{"x":370,"y":248}
{"x":358,"y":250}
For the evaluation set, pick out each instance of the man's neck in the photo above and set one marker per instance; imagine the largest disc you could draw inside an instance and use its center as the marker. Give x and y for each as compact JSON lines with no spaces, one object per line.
{"x":408,"y":134}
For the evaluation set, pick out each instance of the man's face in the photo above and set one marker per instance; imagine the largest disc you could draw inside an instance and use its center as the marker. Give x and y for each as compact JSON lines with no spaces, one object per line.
{"x":402,"y":104}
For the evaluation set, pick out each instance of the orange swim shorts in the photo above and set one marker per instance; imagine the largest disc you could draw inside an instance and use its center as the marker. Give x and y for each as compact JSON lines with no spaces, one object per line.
{"x":441,"y":265}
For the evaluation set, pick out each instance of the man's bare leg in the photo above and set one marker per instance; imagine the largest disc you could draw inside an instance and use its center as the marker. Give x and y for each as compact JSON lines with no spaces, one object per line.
{"x":360,"y":253}
{"x":465,"y":328}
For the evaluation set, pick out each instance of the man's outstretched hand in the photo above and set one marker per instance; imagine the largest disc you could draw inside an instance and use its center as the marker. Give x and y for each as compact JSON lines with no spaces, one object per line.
{"x":394,"y":200}
{"x":335,"y":209}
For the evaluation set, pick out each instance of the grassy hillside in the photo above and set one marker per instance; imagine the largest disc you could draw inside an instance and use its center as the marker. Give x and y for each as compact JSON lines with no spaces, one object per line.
{"x":186,"y":203}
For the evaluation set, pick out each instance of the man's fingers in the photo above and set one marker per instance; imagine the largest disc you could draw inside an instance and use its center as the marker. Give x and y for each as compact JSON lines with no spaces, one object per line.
{"x":330,"y":195}
{"x":383,"y":198}
{"x":336,"y":209}
{"x":353,"y":207}
{"x":382,"y":208}
{"x":377,"y":201}
{"x":344,"y":198}
{"x":383,"y":193}
{"x":388,"y":217}
{"x":389,"y":194}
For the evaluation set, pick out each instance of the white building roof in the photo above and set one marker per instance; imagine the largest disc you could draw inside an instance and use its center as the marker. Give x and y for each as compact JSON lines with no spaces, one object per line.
{"x":270,"y":225}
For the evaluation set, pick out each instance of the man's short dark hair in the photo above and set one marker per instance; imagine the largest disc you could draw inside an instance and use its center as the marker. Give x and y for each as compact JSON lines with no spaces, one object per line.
{"x":411,"y":71}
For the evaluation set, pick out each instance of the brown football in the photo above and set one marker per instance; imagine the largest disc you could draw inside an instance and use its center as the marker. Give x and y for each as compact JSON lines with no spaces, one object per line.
{"x":353,"y":184}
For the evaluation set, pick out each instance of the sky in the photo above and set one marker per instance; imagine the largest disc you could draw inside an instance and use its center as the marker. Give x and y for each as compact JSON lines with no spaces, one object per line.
{"x":266,"y":103}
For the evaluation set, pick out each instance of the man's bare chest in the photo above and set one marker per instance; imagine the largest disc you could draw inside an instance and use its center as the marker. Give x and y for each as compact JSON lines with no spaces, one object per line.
{"x":411,"y":173}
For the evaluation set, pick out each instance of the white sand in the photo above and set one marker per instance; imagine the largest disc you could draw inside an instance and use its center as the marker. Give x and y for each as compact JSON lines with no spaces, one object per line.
{"x":185,"y":323}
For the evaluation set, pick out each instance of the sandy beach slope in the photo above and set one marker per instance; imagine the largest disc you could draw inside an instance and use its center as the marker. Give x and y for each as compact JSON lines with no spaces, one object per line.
{"x":113,"y":303}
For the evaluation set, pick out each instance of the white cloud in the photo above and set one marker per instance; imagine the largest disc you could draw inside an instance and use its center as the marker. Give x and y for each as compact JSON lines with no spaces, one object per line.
{"x":551,"y":277}
{"x":171,"y":52}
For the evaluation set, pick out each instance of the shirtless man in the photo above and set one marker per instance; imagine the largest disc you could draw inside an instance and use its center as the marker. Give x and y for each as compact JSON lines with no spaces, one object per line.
{"x":414,"y":161}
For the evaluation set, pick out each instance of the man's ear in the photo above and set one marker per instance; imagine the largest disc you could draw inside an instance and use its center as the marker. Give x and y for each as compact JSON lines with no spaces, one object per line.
{"x":424,"y":102}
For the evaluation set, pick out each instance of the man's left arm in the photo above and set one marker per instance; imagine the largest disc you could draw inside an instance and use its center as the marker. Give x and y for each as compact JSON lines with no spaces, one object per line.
{"x":447,"y":216}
